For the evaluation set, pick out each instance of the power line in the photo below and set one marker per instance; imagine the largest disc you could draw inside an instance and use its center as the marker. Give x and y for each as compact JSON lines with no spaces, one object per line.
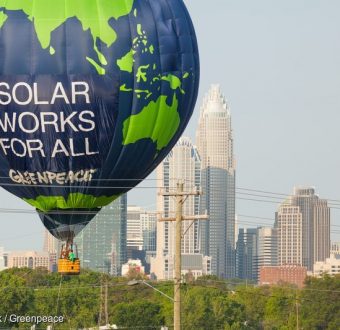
{"x":277,"y":198}
{"x":257,"y":198}
{"x":263,"y":218}
{"x":280,"y":194}
{"x":108,"y":213}
{"x":247,"y":223}
{"x":281,"y":287}
{"x":283,"y":196}
{"x":268,"y":225}
{"x":121,"y":179}
{"x":75,"y":186}
{"x":16,"y":210}
{"x":154,"y":283}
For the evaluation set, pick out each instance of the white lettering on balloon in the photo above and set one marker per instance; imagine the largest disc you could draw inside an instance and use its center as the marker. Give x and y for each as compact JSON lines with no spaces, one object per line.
{"x":46,"y":122}
{"x":62,"y":178}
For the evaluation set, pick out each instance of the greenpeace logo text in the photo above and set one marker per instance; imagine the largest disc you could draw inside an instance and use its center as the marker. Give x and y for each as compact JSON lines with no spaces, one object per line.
{"x":36,"y":319}
{"x":38,"y":178}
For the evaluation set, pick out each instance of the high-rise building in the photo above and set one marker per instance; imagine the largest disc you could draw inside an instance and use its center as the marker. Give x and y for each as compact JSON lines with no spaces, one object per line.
{"x":256,"y":248}
{"x":102,"y":244}
{"x":236,"y":230}
{"x":266,"y":248}
{"x":289,"y":235}
{"x":50,"y":242}
{"x":51,"y":246}
{"x":315,"y":217}
{"x":182,"y":163}
{"x":149,"y":233}
{"x":246,"y":248}
{"x":134,"y":236}
{"x":141,"y":234}
{"x":215,"y":147}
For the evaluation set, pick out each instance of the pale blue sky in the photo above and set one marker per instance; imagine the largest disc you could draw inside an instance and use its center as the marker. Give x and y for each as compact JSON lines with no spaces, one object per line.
{"x":278,"y":64}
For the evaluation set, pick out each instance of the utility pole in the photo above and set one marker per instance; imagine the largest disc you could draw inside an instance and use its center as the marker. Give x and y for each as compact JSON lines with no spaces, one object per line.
{"x":297,"y":312}
{"x":178,"y":258}
{"x":103,"y":304}
{"x":181,"y":197}
{"x":103,"y":301}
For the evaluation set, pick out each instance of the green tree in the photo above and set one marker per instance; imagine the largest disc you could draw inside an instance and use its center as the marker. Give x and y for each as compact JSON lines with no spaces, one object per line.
{"x":280,"y":309}
{"x":15,"y":297}
{"x":207,"y":304}
{"x":210,"y":308}
{"x":138,"y":313}
{"x":227,"y":313}
{"x":254,"y":300}
{"x":320,"y":303}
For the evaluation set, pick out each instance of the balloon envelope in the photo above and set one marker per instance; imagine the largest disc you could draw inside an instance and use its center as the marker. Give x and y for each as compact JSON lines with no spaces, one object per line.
{"x":93,"y":95}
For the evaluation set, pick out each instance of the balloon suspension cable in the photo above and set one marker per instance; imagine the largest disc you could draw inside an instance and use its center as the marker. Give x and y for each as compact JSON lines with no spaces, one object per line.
{"x":70,"y":238}
{"x":58,"y":299}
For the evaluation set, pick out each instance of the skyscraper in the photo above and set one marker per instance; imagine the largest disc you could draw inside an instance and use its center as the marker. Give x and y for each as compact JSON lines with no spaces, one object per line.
{"x":215,"y":147}
{"x":182,"y":163}
{"x":246,"y":249}
{"x":141,"y":234}
{"x":149,"y":234}
{"x":256,"y":248}
{"x":51,"y":246}
{"x":315,"y":215}
{"x":102,"y":244}
{"x":266,"y":252}
{"x":289,"y":235}
{"x":50,"y":242}
{"x":134,"y":236}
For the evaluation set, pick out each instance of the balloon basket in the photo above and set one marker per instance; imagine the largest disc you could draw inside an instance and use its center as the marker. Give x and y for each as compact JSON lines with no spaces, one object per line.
{"x":68,"y":267}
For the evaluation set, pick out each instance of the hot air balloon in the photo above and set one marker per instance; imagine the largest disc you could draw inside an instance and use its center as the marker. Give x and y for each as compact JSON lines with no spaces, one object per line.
{"x":93,"y":95}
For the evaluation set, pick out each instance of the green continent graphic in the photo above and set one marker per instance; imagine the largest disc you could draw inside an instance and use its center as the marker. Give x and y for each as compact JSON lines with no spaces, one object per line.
{"x":49,"y":15}
{"x":157,"y":121}
{"x":74,"y":201}
{"x":126,"y":62}
{"x":174,"y":82}
{"x":3,"y":18}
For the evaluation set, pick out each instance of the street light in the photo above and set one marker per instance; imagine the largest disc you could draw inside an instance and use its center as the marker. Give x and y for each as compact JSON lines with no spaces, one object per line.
{"x":136,"y":282}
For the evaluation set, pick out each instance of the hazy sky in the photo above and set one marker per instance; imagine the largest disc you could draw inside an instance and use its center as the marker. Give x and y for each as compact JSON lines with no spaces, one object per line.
{"x":278,"y":64}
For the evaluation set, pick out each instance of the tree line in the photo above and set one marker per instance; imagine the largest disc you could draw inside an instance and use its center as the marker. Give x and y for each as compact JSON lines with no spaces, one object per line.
{"x":207,"y":303}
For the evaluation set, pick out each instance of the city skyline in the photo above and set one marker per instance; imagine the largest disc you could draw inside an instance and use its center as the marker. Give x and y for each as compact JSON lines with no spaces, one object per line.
{"x":176,"y":164}
{"x":283,"y":95}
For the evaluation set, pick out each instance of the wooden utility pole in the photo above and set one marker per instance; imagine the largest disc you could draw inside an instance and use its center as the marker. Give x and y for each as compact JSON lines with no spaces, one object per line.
{"x":297,"y":312}
{"x":103,"y":302}
{"x":181,"y":197}
{"x":178,"y":258}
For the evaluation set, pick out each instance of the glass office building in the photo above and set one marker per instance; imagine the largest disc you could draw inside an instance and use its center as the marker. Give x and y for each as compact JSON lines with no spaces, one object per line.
{"x":215,"y":147}
{"x":102,"y":244}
